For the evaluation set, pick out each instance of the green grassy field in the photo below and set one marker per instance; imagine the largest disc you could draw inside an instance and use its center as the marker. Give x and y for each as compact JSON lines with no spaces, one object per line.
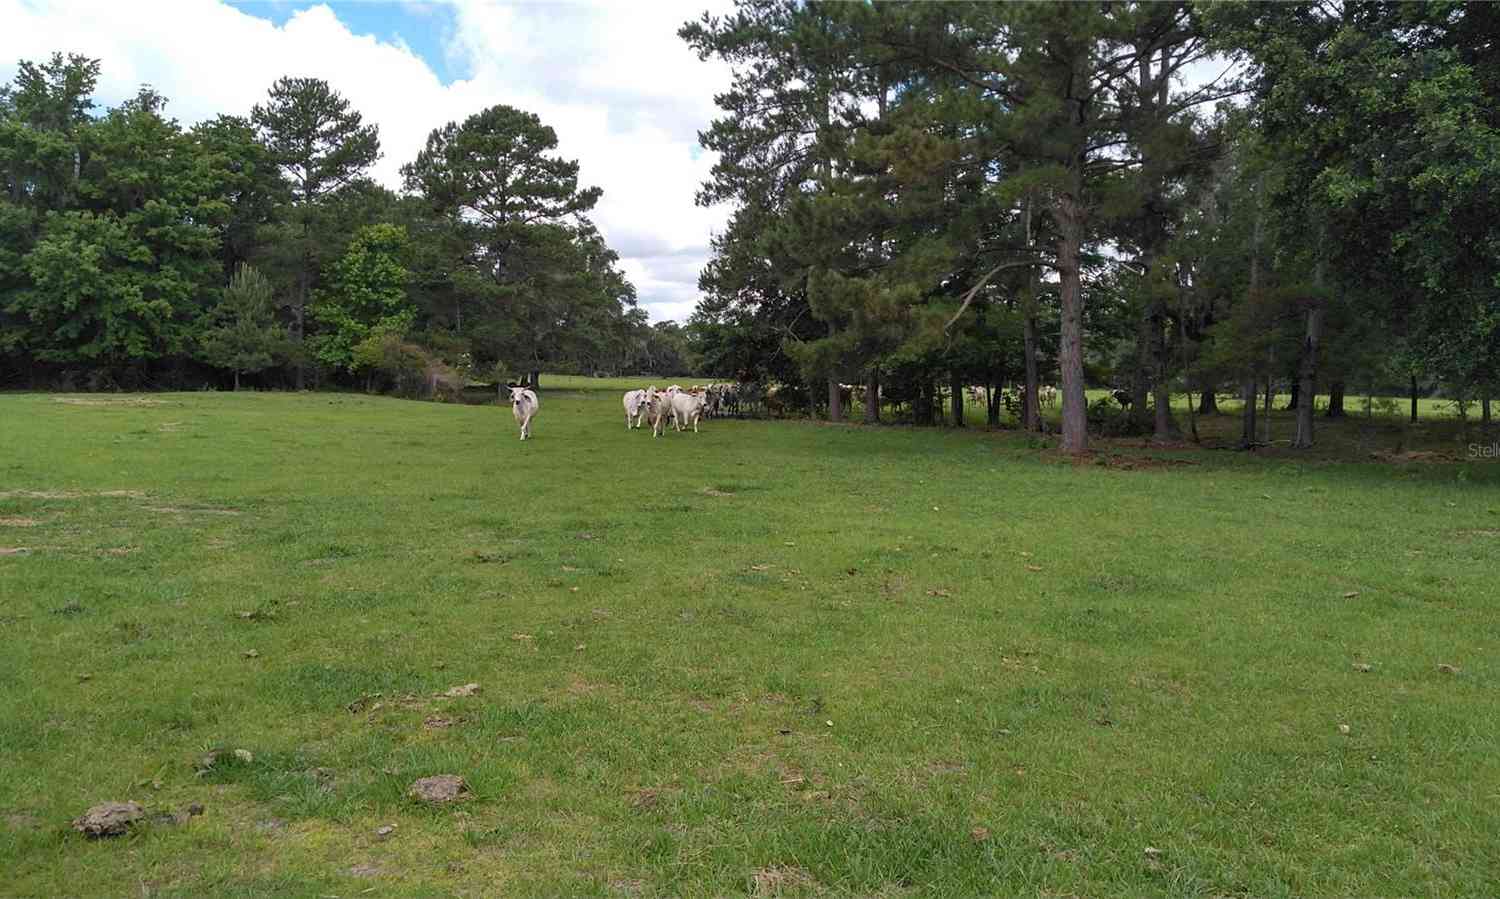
{"x":769,"y":658}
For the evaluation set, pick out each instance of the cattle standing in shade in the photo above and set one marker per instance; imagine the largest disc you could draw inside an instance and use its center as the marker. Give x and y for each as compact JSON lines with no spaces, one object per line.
{"x":523,"y":404}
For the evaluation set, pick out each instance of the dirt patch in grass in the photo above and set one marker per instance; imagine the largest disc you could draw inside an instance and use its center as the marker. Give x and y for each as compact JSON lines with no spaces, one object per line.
{"x":176,"y":510}
{"x":1475,"y":532}
{"x":580,"y":687}
{"x":1118,"y":461}
{"x":21,"y":821}
{"x":778,"y":880}
{"x":107,"y":401}
{"x":18,"y":522}
{"x":1428,"y":456}
{"x":70,"y":494}
{"x":15,"y":550}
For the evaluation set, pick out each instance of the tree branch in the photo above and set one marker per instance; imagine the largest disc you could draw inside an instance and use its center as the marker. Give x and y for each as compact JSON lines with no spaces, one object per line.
{"x":973,"y":291}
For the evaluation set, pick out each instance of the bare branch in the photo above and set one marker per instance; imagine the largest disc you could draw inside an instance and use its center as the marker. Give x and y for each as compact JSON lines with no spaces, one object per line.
{"x":973,"y":291}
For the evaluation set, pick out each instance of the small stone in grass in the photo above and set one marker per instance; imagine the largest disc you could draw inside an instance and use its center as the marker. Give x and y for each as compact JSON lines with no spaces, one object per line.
{"x":109,"y":819}
{"x":252,"y":653}
{"x":1364,"y":667}
{"x":1448,"y":669}
{"x":384,"y":831}
{"x":1344,"y":729}
{"x":439,"y":789}
{"x":1152,"y":852}
{"x":1351,"y":594}
{"x":463,"y":690}
{"x":979,"y":834}
{"x":244,"y":755}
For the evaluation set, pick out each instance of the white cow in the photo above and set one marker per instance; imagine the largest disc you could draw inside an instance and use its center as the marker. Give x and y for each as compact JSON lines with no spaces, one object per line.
{"x":687,"y":408}
{"x":523,"y":404}
{"x":636,"y":405}
{"x":660,"y":407}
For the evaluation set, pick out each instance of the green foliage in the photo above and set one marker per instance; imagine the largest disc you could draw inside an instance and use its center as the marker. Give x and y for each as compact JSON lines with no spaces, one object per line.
{"x":241,"y":333}
{"x":364,"y":295}
{"x":119,"y":275}
{"x":310,"y":131}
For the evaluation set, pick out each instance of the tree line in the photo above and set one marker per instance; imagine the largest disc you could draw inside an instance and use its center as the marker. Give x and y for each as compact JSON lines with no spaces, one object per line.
{"x":1153,"y":197}
{"x":135,"y":252}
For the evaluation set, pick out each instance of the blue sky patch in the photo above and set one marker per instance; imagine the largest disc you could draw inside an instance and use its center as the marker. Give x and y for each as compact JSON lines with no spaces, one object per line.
{"x":422,"y":26}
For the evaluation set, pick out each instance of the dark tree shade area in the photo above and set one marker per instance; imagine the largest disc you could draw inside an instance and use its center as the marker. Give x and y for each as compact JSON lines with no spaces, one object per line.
{"x":135,"y":253}
{"x":1149,"y":197}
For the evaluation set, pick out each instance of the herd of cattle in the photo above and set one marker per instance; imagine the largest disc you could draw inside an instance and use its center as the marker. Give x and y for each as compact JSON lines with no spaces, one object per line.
{"x":685,"y":407}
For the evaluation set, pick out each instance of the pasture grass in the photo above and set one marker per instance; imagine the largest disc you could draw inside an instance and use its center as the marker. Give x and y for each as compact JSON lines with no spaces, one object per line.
{"x":771,"y":658}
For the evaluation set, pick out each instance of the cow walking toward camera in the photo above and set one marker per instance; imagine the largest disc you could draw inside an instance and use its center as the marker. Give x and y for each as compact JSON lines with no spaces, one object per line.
{"x":687,"y":409}
{"x":659,"y":407}
{"x":523,"y":404}
{"x":637,"y":404}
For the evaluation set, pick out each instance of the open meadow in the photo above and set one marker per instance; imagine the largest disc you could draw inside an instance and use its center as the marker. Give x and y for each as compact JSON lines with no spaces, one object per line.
{"x":771,"y":658}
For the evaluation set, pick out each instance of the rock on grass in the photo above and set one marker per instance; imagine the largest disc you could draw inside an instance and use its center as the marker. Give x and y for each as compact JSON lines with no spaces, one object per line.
{"x":109,"y":819}
{"x":439,"y":789}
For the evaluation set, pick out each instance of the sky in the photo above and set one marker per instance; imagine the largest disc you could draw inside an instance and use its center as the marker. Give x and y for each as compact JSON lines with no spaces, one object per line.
{"x":626,"y":96}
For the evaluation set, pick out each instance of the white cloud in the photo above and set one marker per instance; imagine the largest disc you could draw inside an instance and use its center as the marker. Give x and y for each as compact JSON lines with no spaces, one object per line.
{"x":625,"y":95}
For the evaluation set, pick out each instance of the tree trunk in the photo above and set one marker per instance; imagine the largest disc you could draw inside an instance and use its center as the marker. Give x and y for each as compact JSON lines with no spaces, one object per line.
{"x":958,"y":399}
{"x":535,"y":380}
{"x":297,"y":329}
{"x":1336,"y":399}
{"x":1296,"y":399}
{"x":1270,"y":391}
{"x":921,"y":411}
{"x":872,"y":397}
{"x":1247,"y":415}
{"x":1413,"y":399}
{"x":1069,"y":213}
{"x":992,"y":405}
{"x":1140,"y":384}
{"x":236,"y":380}
{"x":1484,"y":409}
{"x":1308,"y":373}
{"x":835,"y":402}
{"x":1208,"y":404}
{"x":1164,"y":428}
{"x":1030,"y":415}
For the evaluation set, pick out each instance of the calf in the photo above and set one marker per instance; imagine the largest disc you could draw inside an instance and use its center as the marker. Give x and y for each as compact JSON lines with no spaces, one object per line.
{"x":636,"y":403}
{"x":523,"y":404}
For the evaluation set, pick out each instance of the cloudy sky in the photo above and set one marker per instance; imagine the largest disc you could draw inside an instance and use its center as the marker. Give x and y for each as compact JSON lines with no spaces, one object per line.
{"x":625,"y":95}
